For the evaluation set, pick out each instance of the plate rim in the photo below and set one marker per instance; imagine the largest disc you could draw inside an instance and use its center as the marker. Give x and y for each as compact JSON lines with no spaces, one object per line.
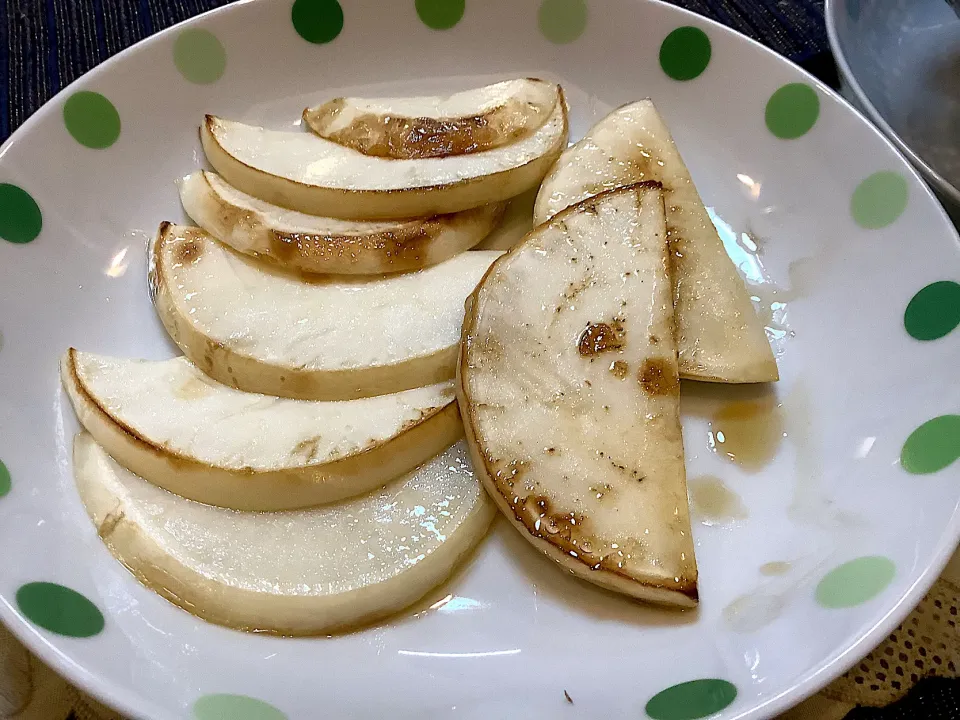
{"x":116,"y":696}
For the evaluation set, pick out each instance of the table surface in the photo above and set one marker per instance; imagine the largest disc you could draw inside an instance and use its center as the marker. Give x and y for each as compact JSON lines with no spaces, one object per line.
{"x":46,"y":44}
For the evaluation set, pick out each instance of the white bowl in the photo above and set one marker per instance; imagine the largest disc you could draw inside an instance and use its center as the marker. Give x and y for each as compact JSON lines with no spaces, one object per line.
{"x":835,"y":229}
{"x":900,"y":63}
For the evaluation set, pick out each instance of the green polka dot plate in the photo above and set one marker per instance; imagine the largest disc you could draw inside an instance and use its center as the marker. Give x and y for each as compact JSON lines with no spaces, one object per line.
{"x":824,"y":506}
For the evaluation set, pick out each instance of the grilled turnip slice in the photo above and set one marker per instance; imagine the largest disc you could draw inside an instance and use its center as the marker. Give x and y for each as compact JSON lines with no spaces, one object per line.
{"x":296,"y":572}
{"x":301,"y":171}
{"x":308,"y":243}
{"x":332,"y":338}
{"x":569,"y":391}
{"x":430,"y":126}
{"x":720,"y":338}
{"x":172,"y":425}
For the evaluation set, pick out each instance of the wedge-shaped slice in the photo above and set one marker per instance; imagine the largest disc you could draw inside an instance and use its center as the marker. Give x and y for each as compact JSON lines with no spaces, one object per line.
{"x":304,"y":172}
{"x":296,"y":572}
{"x":300,"y":242}
{"x":570,"y":396}
{"x":170,"y":424}
{"x":342,"y":338}
{"x":720,"y":337}
{"x":423,"y":127}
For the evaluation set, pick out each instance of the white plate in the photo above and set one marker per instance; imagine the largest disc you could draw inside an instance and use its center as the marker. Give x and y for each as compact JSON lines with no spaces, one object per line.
{"x":515,"y":633}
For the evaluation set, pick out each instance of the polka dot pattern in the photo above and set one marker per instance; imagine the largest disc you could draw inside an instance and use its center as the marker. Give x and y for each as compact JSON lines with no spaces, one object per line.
{"x":879,"y":200}
{"x":562,"y":21}
{"x":59,"y":609}
{"x":691,"y":700}
{"x":91,"y":119}
{"x":4,"y":479}
{"x":20,"y":216}
{"x":792,"y":111}
{"x":855,"y":582}
{"x":440,"y":14}
{"x":933,"y":446}
{"x":685,"y":53}
{"x":317,"y":21}
{"x":199,"y":56}
{"x":934,"y":312}
{"x":234,"y":707}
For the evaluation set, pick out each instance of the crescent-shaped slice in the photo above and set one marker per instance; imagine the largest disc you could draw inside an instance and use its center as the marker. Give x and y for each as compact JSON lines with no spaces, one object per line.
{"x":261,"y":330}
{"x":170,"y":424}
{"x":304,"y":172}
{"x":570,"y":396}
{"x":720,"y":337}
{"x":308,"y":243}
{"x":291,"y":573}
{"x":430,"y":126}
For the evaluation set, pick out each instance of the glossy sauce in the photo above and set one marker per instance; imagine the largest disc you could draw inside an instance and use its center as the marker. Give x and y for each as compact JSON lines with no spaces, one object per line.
{"x":777,"y":567}
{"x":747,"y":432}
{"x":713,"y":502}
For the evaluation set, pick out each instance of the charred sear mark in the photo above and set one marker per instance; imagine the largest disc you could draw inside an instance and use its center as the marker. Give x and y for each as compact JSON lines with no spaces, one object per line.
{"x":619,"y":369}
{"x":186,"y":250}
{"x":405,"y":244}
{"x":405,"y":138}
{"x":658,"y":377}
{"x":564,"y":529}
{"x":567,"y":530}
{"x":508,"y":475}
{"x":600,"y":337}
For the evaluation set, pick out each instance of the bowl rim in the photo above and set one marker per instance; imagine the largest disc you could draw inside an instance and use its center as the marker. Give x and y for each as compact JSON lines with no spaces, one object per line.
{"x":940,"y":183}
{"x":119,"y":698}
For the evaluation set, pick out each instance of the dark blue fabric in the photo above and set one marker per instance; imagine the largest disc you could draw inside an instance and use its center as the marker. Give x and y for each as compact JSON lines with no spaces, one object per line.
{"x":46,"y":44}
{"x":933,"y":698}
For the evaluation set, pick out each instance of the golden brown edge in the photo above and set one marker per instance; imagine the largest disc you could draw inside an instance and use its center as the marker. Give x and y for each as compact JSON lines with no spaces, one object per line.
{"x":683,"y":594}
{"x":111,"y":525}
{"x":410,"y":235}
{"x":208,"y":135}
{"x":759,"y":372}
{"x":336,"y":629}
{"x":317,"y":117}
{"x":168,"y":454}
{"x":287,"y":378}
